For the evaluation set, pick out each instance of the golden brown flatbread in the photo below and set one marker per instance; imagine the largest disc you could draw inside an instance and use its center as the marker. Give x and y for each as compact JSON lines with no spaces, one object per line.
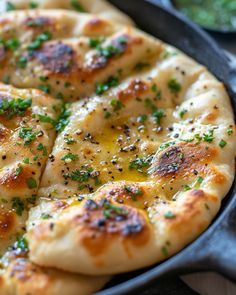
{"x":139,"y":141}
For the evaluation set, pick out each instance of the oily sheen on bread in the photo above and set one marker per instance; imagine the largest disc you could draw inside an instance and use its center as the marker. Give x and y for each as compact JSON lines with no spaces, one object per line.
{"x":116,"y":149}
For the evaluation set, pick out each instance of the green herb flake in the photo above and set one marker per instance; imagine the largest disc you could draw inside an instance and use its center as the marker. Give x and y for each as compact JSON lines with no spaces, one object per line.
{"x":230,"y":131}
{"x":187,"y":187}
{"x":33,"y":5}
{"x":42,"y":148}
{"x":69,"y":141}
{"x":200,"y":179}
{"x":69,"y":157}
{"x":22,"y":244}
{"x":103,"y":87}
{"x":95,"y":42}
{"x":107,"y":115}
{"x":134,"y":192}
{"x":31,"y":183}
{"x":222,"y":143}
{"x":174,"y":86}
{"x":63,"y":119}
{"x":18,"y":205}
{"x":39,"y":40}
{"x":116,"y":104}
{"x":26,"y":161}
{"x":209,"y":136}
{"x":27,"y":134}
{"x":13,"y":107}
{"x":77,"y":6}
{"x":10,"y":6}
{"x":47,"y":119}
{"x":21,"y":62}
{"x":182,"y":113}
{"x":142,"y":119}
{"x":18,"y":170}
{"x":164,"y":251}
{"x":158,"y":115}
{"x":45,"y":88}
{"x":45,"y":216}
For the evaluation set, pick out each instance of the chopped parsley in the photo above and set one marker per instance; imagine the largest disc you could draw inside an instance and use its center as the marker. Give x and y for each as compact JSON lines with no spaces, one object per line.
{"x":95,"y":42}
{"x":110,"y":51}
{"x":22,"y":244}
{"x":116,"y":104}
{"x":187,"y":187}
{"x":33,"y":5}
{"x":69,"y":141}
{"x":45,"y":88}
{"x":182,"y":113}
{"x":77,"y":6}
{"x":69,"y":157}
{"x":209,"y":137}
{"x":230,"y":131}
{"x":12,"y":44}
{"x":45,"y":216}
{"x":222,"y":143}
{"x":47,"y":119}
{"x":13,"y":107}
{"x":103,"y":87}
{"x":134,"y":192}
{"x":42,"y":148}
{"x":22,"y":62}
{"x":110,"y":209}
{"x":63,"y":119}
{"x":140,"y":163}
{"x":142,"y":118}
{"x":174,"y":86}
{"x":84,"y":174}
{"x":39,"y":40}
{"x":10,"y":6}
{"x":27,"y":134}
{"x":18,"y":170}
{"x":164,"y":251}
{"x":26,"y":161}
{"x":31,"y":183}
{"x":18,"y":205}
{"x":157,"y":114}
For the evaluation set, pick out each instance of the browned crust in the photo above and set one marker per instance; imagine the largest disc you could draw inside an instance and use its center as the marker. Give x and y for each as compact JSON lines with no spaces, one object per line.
{"x":13,"y":182}
{"x":97,"y":232}
{"x":135,"y":88}
{"x":183,"y":158}
{"x":7,"y":223}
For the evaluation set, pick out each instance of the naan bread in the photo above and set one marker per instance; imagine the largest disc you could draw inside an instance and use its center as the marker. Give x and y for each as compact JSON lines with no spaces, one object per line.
{"x":138,"y":172}
{"x":22,"y":277}
{"x":100,"y":7}
{"x":66,"y":53}
{"x":25,"y":143}
{"x":143,"y":156}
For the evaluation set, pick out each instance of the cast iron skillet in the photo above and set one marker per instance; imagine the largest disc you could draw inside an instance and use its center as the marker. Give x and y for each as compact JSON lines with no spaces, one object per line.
{"x":215,"y":249}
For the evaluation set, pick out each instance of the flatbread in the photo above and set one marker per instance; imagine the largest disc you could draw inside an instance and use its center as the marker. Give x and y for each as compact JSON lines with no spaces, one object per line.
{"x":21,"y":277}
{"x":139,"y":171}
{"x":26,"y":142}
{"x":144,"y":152}
{"x":99,"y":7}
{"x":63,"y":52}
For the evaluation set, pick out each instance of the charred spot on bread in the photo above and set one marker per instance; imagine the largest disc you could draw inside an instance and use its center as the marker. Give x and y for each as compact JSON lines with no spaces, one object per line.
{"x":57,"y":58}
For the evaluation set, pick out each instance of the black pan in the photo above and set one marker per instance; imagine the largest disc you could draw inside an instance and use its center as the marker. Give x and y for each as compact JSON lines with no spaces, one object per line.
{"x":215,"y":249}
